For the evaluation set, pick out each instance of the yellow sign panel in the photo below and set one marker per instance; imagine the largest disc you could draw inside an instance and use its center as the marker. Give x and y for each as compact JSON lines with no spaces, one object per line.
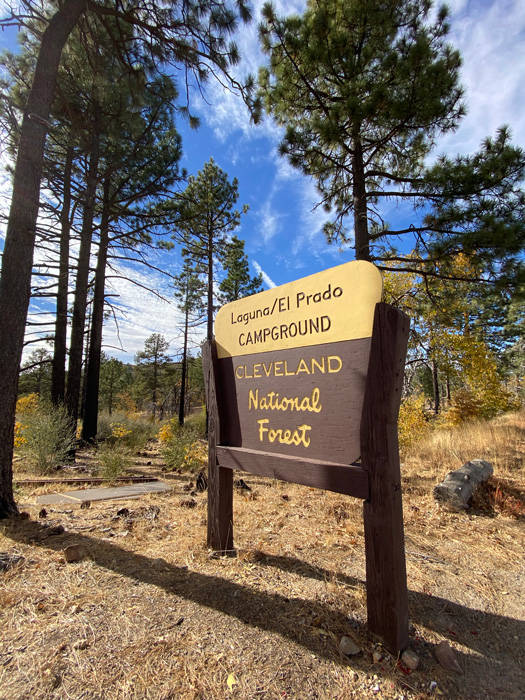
{"x":330,"y":306}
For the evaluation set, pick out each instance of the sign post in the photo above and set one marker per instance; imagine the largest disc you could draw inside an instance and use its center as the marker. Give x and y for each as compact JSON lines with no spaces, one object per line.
{"x":303,"y":384}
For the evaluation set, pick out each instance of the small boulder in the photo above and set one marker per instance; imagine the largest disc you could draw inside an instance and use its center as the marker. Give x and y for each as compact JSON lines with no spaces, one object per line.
{"x":410,"y":659}
{"x":348,"y":647}
{"x":75,"y":552}
{"x":446,"y":657}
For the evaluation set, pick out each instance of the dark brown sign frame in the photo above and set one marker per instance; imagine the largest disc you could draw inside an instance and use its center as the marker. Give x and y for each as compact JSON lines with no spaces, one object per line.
{"x":377,"y":480}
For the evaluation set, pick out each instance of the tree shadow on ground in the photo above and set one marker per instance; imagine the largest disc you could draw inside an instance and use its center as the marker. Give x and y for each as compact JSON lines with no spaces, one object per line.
{"x":491,"y":637}
{"x":449,"y":618}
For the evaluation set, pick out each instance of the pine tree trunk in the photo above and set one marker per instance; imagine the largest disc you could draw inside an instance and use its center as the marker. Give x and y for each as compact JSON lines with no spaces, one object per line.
{"x":89,"y":426}
{"x":184,"y":363}
{"x":110,"y":398}
{"x":58,"y":373}
{"x":17,"y":259}
{"x":83,"y":375}
{"x":362,"y":242}
{"x":209,"y":335}
{"x":76,"y":350}
{"x":435,"y":384}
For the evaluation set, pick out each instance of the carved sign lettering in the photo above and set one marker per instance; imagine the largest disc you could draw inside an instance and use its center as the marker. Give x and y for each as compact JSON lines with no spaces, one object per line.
{"x":293,"y":363}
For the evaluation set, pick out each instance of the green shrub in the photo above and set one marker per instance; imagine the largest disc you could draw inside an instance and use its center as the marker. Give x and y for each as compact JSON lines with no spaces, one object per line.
{"x":173,"y":454}
{"x":183,"y":447}
{"x":114,"y":460}
{"x":196,"y":423}
{"x":119,"y":428}
{"x":104,"y":428}
{"x":48,"y":438}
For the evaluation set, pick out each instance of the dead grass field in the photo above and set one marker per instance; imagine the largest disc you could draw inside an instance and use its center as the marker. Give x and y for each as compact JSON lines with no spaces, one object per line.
{"x":151,"y":613}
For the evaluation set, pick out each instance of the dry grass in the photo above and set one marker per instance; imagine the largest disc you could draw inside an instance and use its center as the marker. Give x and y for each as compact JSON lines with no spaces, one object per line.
{"x":153,"y":614}
{"x":500,"y":441}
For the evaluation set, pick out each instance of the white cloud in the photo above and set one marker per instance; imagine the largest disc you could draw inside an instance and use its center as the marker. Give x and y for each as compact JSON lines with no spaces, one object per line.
{"x":266,"y":278}
{"x":269,"y":221}
{"x":226,"y":112}
{"x":140,"y":312}
{"x":490,"y":37}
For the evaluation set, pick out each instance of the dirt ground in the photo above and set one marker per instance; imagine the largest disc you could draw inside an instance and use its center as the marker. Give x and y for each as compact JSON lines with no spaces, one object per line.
{"x":151,"y":613}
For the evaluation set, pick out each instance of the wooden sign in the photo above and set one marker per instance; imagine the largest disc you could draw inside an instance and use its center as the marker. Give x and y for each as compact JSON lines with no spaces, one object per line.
{"x":301,"y":382}
{"x":293,"y":361}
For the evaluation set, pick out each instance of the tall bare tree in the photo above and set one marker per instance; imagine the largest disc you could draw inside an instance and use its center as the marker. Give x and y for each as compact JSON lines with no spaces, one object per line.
{"x":190,"y":35}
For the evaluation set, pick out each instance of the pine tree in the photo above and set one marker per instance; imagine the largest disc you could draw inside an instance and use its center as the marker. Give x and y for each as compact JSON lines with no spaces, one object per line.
{"x":151,"y":363}
{"x":238,"y":283}
{"x":206,"y":217}
{"x":35,"y":374}
{"x":190,"y":37}
{"x":17,"y":258}
{"x":364,"y":90}
{"x":190,"y":294}
{"x":115,"y":377}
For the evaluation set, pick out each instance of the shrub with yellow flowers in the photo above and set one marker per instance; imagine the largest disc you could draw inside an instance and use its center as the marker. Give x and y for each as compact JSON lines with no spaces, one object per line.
{"x":19,"y":438}
{"x":413,"y":423}
{"x":165,"y":433}
{"x":118,"y":432}
{"x":196,"y":456}
{"x":43,"y":434}
{"x":27,"y":404}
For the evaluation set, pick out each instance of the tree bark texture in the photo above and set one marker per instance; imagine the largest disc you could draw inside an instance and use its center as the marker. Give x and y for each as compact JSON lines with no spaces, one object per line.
{"x":76,"y":349}
{"x":362,"y":243}
{"x":58,"y":373}
{"x":209,"y":334}
{"x":17,"y":259}
{"x":89,"y":426}
{"x":184,"y":363}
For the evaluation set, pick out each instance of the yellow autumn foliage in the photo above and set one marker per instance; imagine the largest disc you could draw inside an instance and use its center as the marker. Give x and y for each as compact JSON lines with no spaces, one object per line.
{"x":27,"y":404}
{"x":482,"y":394}
{"x":19,"y":438}
{"x":196,"y":456}
{"x":119,"y":431}
{"x":165,"y":433}
{"x":413,"y":424}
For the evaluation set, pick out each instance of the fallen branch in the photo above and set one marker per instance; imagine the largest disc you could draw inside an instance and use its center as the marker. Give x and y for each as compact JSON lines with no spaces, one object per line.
{"x":86,"y":480}
{"x":458,"y":487}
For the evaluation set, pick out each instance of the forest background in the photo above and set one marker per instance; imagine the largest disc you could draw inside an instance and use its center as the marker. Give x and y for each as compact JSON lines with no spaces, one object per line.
{"x":115,"y":180}
{"x":283,"y":234}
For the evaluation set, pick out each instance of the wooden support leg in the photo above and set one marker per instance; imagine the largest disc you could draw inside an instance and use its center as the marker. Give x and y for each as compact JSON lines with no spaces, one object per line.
{"x":220,"y":480}
{"x":220,"y":510}
{"x":383,"y":513}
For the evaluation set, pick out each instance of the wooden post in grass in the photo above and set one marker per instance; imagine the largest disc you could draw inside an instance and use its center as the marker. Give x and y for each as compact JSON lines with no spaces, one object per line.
{"x":304,"y":385}
{"x":220,"y":480}
{"x":386,"y":585}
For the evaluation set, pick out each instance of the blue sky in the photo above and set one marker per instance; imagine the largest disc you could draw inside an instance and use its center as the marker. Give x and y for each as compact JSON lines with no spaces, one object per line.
{"x":282,"y":230}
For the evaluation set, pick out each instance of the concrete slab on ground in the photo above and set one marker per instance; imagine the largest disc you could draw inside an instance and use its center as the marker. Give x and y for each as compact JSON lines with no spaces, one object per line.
{"x":103,"y":494}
